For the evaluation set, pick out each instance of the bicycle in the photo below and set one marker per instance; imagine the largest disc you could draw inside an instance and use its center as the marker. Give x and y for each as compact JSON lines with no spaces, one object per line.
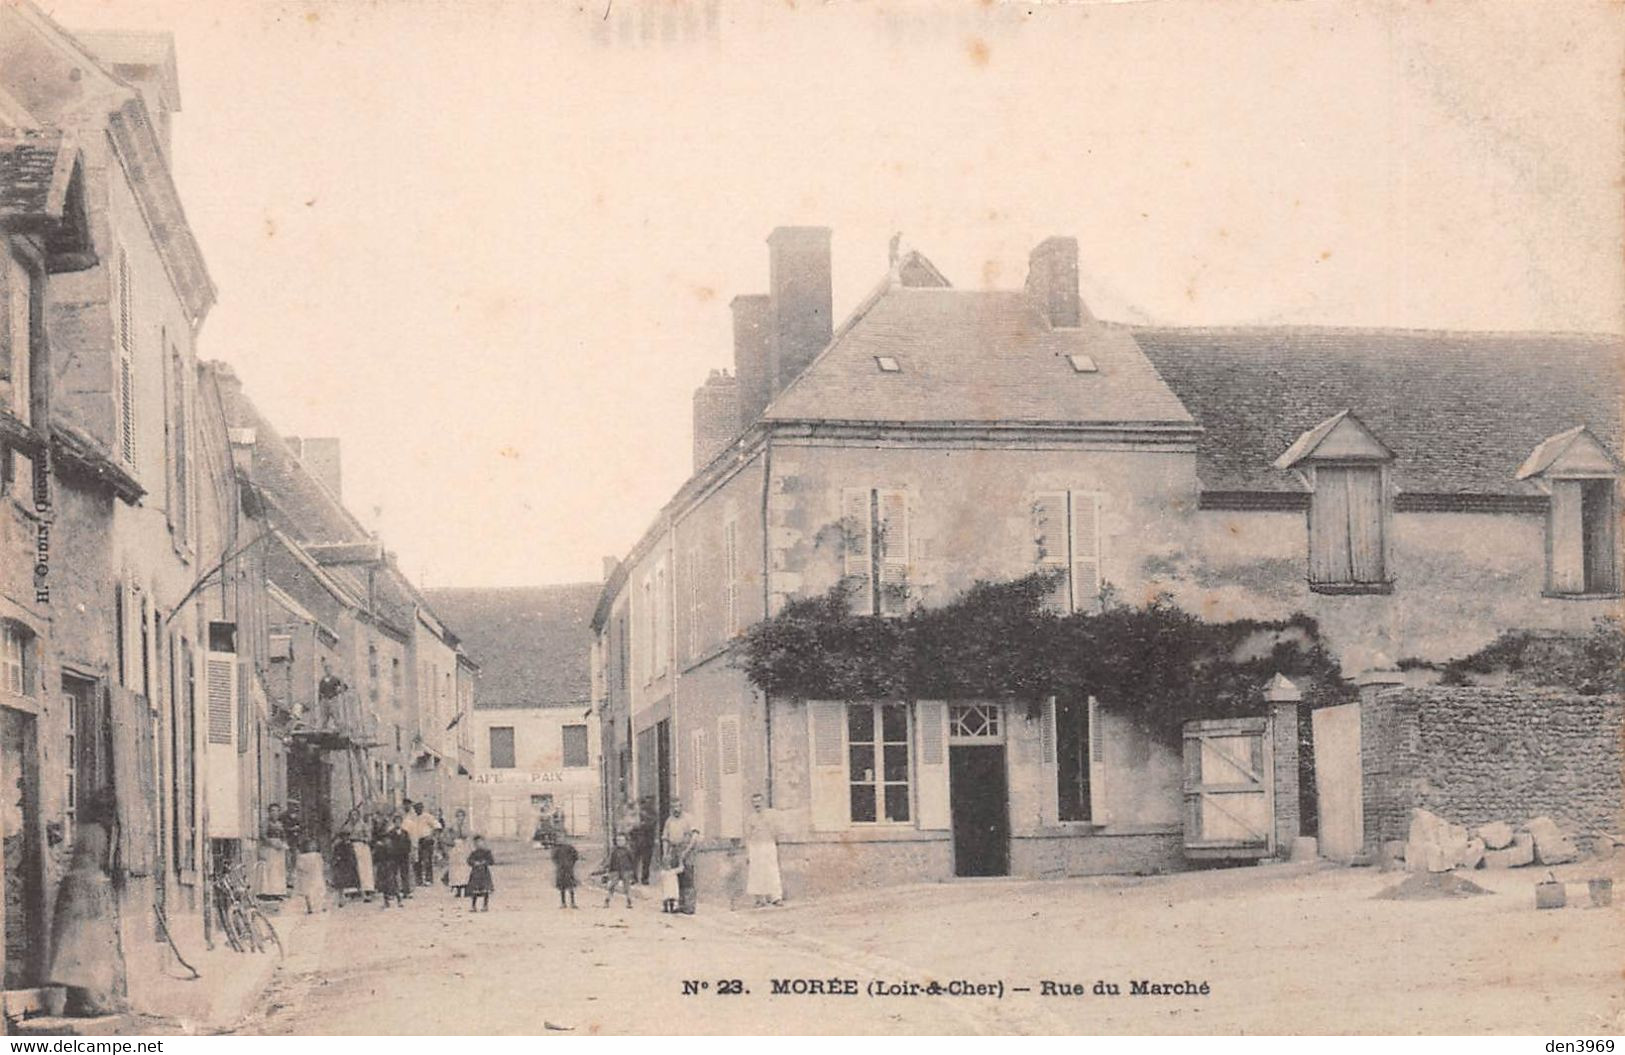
{"x":245,"y":926}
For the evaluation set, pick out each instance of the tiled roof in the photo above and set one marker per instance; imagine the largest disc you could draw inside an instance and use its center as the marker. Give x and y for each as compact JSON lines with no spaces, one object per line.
{"x":533,"y":644}
{"x":35,"y":166}
{"x":1460,"y":411}
{"x":974,"y":357}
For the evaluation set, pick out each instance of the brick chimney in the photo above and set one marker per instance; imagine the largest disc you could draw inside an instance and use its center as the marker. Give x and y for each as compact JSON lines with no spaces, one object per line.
{"x":753,"y":319}
{"x":799,"y":285}
{"x":320,"y":457}
{"x":716,"y":416}
{"x":1052,"y":281}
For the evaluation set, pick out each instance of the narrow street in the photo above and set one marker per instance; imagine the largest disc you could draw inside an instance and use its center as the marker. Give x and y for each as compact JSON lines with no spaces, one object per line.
{"x":1310,"y":947}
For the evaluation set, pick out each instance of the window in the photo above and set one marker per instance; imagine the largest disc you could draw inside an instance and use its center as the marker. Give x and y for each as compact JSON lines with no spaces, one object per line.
{"x":888,"y":364}
{"x":660,"y":619}
{"x":180,"y":499}
{"x":1346,"y":513}
{"x":183,"y":740}
{"x":1582,"y":553}
{"x":70,"y":703}
{"x":878,"y":762}
{"x":16,"y":344}
{"x":730,"y":556}
{"x":973,"y":721}
{"x":502,"y":747}
{"x":1083,"y":364}
{"x":125,"y":326}
{"x":575,"y":746}
{"x":691,"y":591}
{"x":875,"y":521}
{"x":1072,"y":759}
{"x":623,"y":651}
{"x":16,"y":659}
{"x":1066,"y":539}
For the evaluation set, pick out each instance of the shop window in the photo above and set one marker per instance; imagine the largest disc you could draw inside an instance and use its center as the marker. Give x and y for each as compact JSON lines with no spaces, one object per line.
{"x":878,"y":762}
{"x":502,"y":752}
{"x":575,"y":746}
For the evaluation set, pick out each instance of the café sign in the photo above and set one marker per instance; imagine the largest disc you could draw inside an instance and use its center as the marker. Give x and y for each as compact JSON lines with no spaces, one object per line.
{"x":520,"y":776}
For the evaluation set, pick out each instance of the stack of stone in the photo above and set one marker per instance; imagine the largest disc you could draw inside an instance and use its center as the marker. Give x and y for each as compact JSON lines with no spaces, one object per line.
{"x":1436,"y":845}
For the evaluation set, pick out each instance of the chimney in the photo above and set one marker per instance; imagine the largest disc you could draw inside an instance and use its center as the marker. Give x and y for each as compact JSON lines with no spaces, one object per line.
{"x":320,"y":457}
{"x":753,"y":318}
{"x":1052,"y":280}
{"x":716,"y":416}
{"x":799,"y":285}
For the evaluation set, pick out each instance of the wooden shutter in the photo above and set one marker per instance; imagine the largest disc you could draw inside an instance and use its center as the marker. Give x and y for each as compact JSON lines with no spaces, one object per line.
{"x":826,"y":733}
{"x":931,"y":764}
{"x":730,"y":547}
{"x":126,"y":344}
{"x":857,"y":523}
{"x":1567,"y":537}
{"x":1329,"y":560}
{"x":1085,"y":551}
{"x":893,"y":544}
{"x":1098,"y":813}
{"x":1365,"y":524}
{"x":730,"y":779}
{"x":135,"y":781}
{"x":1049,"y":805}
{"x":1051,"y":547}
{"x":699,"y":797}
{"x":1599,"y":517}
{"x":221,"y":676}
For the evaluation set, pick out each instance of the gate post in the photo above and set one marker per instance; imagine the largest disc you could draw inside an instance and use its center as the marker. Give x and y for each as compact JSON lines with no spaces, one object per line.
{"x":1283,"y":697}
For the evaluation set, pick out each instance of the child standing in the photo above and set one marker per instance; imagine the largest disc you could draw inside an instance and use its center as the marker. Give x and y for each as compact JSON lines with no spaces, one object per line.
{"x":670,"y":884}
{"x":618,"y":869}
{"x":479,"y":876}
{"x":564,"y":868}
{"x":308,"y":881}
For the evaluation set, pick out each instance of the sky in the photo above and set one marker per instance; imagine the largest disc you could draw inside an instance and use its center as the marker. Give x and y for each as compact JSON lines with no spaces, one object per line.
{"x":490,"y":244}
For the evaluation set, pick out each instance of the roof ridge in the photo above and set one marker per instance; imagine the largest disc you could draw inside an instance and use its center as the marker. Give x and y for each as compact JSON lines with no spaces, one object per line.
{"x":1264,"y":328}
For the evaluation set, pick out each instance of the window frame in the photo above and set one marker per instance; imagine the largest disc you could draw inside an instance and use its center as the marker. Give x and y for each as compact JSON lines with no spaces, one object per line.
{"x":491,"y":747}
{"x":878,"y":784}
{"x":586,"y":746}
{"x":17,"y":653}
{"x":1589,"y":588}
{"x":1384,"y":526}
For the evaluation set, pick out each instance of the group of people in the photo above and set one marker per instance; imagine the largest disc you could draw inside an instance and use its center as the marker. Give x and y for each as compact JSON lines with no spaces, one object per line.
{"x":378,"y":852}
{"x":638,"y":840}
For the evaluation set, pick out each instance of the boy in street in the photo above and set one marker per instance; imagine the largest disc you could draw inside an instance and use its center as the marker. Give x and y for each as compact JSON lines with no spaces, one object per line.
{"x":619,"y":868}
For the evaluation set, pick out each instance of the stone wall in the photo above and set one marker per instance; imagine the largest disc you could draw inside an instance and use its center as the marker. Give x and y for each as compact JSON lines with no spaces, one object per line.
{"x":1477,"y":754}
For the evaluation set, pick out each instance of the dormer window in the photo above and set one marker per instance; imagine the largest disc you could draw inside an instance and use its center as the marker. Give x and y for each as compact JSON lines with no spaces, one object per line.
{"x":1345,"y":468}
{"x":888,"y":364}
{"x":1582,"y":478}
{"x":1083,"y":364}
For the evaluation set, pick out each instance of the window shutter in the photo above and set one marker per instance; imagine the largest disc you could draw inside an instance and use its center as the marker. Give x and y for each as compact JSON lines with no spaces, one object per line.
{"x":826,"y":732}
{"x":126,"y":344}
{"x":221,"y":675}
{"x":1049,"y":772}
{"x":730,"y":546}
{"x":1567,"y":537}
{"x":1085,"y":551}
{"x":1365,"y":524}
{"x":1599,"y":515}
{"x":1329,"y":559}
{"x":855,"y":518}
{"x":1098,"y":813}
{"x":698,"y":797}
{"x":730,"y":779}
{"x":931,"y":765}
{"x":892,"y":507}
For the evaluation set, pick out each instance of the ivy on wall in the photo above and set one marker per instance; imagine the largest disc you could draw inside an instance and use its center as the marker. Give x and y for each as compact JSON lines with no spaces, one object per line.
{"x":1157,"y":663}
{"x":1589,"y":663}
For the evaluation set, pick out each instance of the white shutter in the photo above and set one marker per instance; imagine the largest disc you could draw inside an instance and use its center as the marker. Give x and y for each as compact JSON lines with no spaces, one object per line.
{"x":730,"y":546}
{"x":892,"y":542}
{"x":1085,"y":551}
{"x":857,"y":523}
{"x":1050,"y":544}
{"x":730,"y":779}
{"x":829,"y":795}
{"x":699,"y":792}
{"x":1049,"y":773}
{"x":1567,"y":538}
{"x":931,"y":765}
{"x":126,"y":345}
{"x":221,"y":759}
{"x":1098,"y":814}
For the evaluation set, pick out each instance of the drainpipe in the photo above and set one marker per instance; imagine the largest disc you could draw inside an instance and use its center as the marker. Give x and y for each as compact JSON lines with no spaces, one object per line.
{"x":767,"y":601}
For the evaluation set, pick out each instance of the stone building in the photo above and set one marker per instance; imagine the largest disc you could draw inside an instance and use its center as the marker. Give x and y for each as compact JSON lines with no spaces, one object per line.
{"x":535,"y":746}
{"x":1415,"y":493}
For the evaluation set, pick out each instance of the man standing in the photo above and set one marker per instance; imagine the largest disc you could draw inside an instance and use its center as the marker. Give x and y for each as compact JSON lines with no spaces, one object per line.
{"x":642,"y":832}
{"x":422,"y":828}
{"x":675,"y":831}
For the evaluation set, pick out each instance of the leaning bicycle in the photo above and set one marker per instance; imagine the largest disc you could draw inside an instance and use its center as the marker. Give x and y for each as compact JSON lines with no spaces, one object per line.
{"x":244,"y":924}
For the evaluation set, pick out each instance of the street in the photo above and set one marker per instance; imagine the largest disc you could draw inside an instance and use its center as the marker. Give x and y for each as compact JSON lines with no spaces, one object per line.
{"x":1284,"y":949}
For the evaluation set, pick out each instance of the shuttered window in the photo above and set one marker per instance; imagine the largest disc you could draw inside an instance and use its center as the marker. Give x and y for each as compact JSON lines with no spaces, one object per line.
{"x":730,"y":556}
{"x":1066,"y":541}
{"x":221,"y":680}
{"x":1346,"y":516}
{"x":1582,"y":547}
{"x":876,"y":526}
{"x":574,"y":746}
{"x":730,"y":782}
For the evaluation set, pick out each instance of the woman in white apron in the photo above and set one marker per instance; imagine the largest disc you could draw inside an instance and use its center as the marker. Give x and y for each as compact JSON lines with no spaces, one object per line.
{"x":762,"y":879}
{"x":274,"y":855}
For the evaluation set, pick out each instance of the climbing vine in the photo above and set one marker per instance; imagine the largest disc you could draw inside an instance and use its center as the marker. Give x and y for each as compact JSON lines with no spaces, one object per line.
{"x":1000,"y":641}
{"x":1589,"y":663}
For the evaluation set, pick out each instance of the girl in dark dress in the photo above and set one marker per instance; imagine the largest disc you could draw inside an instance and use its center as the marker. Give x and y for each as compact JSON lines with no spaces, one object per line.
{"x":391,"y":850}
{"x":479,"y":876}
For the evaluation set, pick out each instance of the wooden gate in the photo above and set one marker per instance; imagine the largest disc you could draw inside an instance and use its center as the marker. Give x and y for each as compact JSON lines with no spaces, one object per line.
{"x":1229,"y":788}
{"x":1338,"y":788}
